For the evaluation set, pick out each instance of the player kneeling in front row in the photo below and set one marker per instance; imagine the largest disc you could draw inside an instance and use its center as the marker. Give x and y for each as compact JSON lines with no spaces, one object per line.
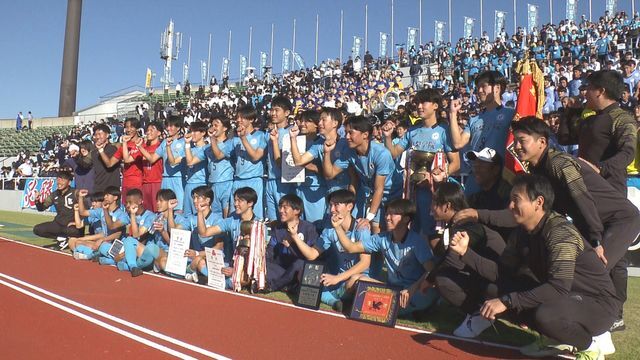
{"x":283,"y":257}
{"x":136,"y":256}
{"x":407,"y":256}
{"x":570,"y":299}
{"x":111,"y":217}
{"x":344,"y":268}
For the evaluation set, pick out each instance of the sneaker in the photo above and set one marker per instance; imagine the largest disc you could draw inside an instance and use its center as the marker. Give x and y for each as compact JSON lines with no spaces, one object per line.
{"x":193,"y":277}
{"x":338,"y":306}
{"x":590,"y":355}
{"x":545,"y":347}
{"x":80,"y":256}
{"x":61,"y":239}
{"x":605,"y":343}
{"x":156,"y":269}
{"x":635,"y":245}
{"x":63,"y":245}
{"x":472,"y":326}
{"x":618,"y":325}
{"x":135,"y":272}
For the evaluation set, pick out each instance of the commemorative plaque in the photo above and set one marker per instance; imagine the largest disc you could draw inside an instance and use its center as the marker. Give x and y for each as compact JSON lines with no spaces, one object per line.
{"x":310,"y":285}
{"x":376,"y":303}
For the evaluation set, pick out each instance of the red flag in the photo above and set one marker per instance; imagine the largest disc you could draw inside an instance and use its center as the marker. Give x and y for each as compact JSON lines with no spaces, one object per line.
{"x":530,"y":101}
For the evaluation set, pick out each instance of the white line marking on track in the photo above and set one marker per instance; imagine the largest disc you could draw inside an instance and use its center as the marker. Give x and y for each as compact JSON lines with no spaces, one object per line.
{"x":338,"y":315}
{"x":99,"y":322}
{"x":114,"y":318}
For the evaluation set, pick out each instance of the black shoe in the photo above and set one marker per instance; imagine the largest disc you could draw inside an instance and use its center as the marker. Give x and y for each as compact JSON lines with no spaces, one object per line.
{"x":338,"y":306}
{"x":618,"y":325}
{"x":135,"y":272}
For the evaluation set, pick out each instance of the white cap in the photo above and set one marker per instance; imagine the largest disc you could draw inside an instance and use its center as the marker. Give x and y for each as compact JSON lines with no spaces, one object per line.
{"x":486,"y":155}
{"x":74,"y":147}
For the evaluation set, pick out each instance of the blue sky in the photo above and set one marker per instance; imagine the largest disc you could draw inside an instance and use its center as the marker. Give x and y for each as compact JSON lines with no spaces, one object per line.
{"x":120,"y":38}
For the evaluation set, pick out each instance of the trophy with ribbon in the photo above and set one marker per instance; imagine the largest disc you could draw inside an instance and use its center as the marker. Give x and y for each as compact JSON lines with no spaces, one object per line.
{"x":419,"y":167}
{"x":249,"y":264}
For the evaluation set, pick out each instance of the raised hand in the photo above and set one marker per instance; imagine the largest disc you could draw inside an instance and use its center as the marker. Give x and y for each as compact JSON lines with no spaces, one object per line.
{"x":294,"y":131}
{"x":125,"y":138}
{"x":273,"y":135}
{"x":173,"y":203}
{"x":388,"y":128}
{"x":456,"y":105}
{"x":329,"y":146}
{"x":337,"y":220}
{"x":241,"y":131}
{"x":459,"y":242}
{"x":139,"y":141}
{"x":465,"y":216}
{"x":83,"y":192}
{"x":188,"y":137}
{"x":133,"y":208}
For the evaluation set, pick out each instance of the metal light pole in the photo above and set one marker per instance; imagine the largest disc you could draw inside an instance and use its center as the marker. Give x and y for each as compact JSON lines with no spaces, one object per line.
{"x":250,"y":41}
{"x":271,"y":50}
{"x":341,"y":30}
{"x":393,"y":44}
{"x":551,"y":11}
{"x":450,"y":20}
{"x":293,"y":48}
{"x":481,"y":18}
{"x":366,"y":26}
{"x":515,"y":18}
{"x":317,"y":29}
{"x":208,"y":58}
{"x":420,"y":20}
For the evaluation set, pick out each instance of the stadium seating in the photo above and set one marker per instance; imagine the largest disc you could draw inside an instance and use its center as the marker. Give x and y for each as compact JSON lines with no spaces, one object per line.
{"x":12,"y":142}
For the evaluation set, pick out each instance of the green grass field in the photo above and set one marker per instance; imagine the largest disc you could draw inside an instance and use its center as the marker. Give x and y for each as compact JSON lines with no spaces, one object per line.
{"x":443,"y":318}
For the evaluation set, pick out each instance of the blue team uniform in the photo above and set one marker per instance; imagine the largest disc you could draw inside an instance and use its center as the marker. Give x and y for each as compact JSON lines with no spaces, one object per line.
{"x":339,"y":260}
{"x":195,"y":176}
{"x":339,"y":158}
{"x":275,"y":188}
{"x":488,"y":129}
{"x":172,"y":176}
{"x":404,"y":263}
{"x":130,"y":245}
{"x":220,"y":176}
{"x":377,"y":162}
{"x":313,"y":191}
{"x":117,"y":215}
{"x":198,"y":242}
{"x":249,"y":173}
{"x":431,"y":139}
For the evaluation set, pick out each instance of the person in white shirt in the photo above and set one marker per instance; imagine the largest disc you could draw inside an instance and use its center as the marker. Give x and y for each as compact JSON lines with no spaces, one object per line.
{"x":25,"y":169}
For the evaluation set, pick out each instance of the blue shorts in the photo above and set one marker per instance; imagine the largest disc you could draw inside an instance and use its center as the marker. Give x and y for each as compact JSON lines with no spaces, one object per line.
{"x":274,"y":192}
{"x":175,"y":183}
{"x":221,"y":196}
{"x":315,"y":202}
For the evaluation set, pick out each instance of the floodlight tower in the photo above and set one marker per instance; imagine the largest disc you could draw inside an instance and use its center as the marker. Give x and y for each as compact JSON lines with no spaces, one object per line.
{"x":170,"y":45}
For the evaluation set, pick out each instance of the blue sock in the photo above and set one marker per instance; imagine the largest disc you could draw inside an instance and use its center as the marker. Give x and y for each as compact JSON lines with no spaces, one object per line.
{"x":130,"y":245}
{"x":84,"y":249}
{"x":103,"y":260}
{"x":327,"y":298}
{"x":204,"y":271}
{"x":122,"y":266}
{"x":150,"y":253}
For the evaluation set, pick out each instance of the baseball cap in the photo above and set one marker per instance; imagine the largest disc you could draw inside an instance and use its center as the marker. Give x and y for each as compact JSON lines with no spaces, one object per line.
{"x":488,"y":155}
{"x":74,"y":147}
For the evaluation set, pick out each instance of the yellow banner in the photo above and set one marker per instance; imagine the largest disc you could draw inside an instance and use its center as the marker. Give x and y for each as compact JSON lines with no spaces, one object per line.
{"x":147,"y":82}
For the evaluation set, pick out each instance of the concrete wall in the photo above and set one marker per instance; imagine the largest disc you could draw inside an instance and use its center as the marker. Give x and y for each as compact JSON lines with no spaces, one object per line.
{"x":38,"y":122}
{"x":10,"y":201}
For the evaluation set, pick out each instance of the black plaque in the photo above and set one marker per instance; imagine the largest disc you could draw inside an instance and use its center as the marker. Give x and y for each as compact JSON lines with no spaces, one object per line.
{"x":310,"y":285}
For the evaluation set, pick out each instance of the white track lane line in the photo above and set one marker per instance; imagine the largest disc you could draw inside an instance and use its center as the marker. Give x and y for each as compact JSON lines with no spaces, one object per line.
{"x":116,"y":319}
{"x":399,"y":327}
{"x":99,"y":322}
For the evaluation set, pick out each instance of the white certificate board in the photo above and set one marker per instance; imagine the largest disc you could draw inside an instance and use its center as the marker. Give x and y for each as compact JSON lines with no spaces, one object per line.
{"x":176,"y":261}
{"x":215,"y":263}
{"x":290,"y":172}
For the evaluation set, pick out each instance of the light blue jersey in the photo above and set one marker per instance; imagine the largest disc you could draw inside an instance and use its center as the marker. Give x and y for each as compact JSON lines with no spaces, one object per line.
{"x":199,"y":242}
{"x":117,"y":215}
{"x":404,"y":261}
{"x":490,"y":129}
{"x":313,"y":191}
{"x":339,"y":260}
{"x":197,"y":174}
{"x":156,"y":238}
{"x":177,"y":148}
{"x":273,"y":170}
{"x":431,"y":139}
{"x":220,"y":170}
{"x":339,"y":158}
{"x":245,"y":167}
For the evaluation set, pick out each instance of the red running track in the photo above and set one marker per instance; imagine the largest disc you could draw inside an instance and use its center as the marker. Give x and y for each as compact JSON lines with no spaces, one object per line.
{"x":234,"y":326}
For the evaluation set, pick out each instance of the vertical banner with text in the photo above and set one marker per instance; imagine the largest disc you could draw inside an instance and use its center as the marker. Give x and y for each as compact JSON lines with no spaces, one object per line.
{"x":500,"y":17}
{"x":469,"y":24}
{"x":532,"y":17}
{"x":382,"y":51}
{"x":572,"y":6}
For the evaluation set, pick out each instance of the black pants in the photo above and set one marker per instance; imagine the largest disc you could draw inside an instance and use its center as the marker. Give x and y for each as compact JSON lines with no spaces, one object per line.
{"x":52,"y":230}
{"x":280,"y":275}
{"x":616,"y":239}
{"x":463,"y":290}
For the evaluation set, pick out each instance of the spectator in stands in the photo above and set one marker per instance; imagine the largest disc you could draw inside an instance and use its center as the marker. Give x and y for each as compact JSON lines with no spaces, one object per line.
{"x":19,"y":119}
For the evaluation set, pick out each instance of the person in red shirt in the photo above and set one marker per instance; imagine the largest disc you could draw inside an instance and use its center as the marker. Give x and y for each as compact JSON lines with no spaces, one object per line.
{"x":132,"y":174}
{"x":151,"y":171}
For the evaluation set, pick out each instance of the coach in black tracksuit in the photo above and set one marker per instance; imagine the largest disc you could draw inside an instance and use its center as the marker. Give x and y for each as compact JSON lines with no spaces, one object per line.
{"x":607,"y":220}
{"x":63,"y":199}
{"x":570,"y":297}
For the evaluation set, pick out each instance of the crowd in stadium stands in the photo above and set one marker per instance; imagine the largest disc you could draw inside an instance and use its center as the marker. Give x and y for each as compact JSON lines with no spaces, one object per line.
{"x":402,"y":185}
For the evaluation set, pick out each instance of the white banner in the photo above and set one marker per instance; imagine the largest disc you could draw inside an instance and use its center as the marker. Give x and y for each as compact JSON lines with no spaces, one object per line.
{"x":532,"y":17}
{"x":382,"y":51}
{"x":225,"y":67}
{"x":263,"y":62}
{"x":498,"y":22}
{"x":299,"y":60}
{"x":612,"y":7}
{"x":215,"y":263}
{"x":286,"y":60}
{"x":176,"y":261}
{"x":412,"y":35}
{"x":439,"y":38}
{"x":243,"y":66}
{"x":355,"y":49}
{"x":469,"y":24}
{"x":572,"y":6}
{"x":203,"y":71}
{"x":290,"y":172}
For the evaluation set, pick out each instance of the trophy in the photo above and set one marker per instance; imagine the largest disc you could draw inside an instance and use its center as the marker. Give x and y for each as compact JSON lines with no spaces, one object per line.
{"x":419,"y":165}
